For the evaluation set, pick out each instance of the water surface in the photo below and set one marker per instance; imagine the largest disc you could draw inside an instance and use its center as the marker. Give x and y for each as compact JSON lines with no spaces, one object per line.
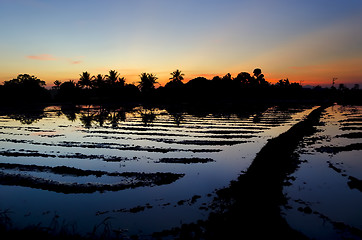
{"x":136,"y":148}
{"x":325,"y":197}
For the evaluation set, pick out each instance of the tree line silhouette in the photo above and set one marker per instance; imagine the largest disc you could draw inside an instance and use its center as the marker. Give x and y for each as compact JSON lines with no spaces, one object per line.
{"x":112,"y":88}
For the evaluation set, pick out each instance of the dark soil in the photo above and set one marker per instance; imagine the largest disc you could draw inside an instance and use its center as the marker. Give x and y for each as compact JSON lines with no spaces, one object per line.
{"x":227,"y":132}
{"x":201,"y":142}
{"x":347,"y":124}
{"x":351,"y":135}
{"x":351,"y":128}
{"x":130,"y":179}
{"x":355,"y":183}
{"x":354,"y":119}
{"x":337,"y":149}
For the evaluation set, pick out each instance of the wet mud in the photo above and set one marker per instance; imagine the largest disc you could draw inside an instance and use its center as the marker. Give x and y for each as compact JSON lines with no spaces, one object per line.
{"x":69,"y":144}
{"x":35,"y":153}
{"x":355,"y":183}
{"x":200,"y":142}
{"x":353,"y":119}
{"x":127,"y":179}
{"x":351,"y":135}
{"x":349,"y":128}
{"x":348,"y":231}
{"x":141,"y":208}
{"x":338,"y":149}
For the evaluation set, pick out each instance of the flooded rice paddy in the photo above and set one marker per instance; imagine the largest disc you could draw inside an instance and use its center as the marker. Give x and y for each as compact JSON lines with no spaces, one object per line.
{"x":140,"y":170}
{"x":326,"y":194}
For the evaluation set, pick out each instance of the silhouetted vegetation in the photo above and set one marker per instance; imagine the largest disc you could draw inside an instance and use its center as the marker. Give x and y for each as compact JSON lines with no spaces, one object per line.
{"x":147,"y":85}
{"x":24,"y":88}
{"x":68,"y":92}
{"x":96,"y":89}
{"x":112,"y":89}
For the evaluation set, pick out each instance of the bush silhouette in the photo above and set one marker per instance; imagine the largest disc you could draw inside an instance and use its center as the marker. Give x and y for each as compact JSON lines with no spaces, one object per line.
{"x":24,"y":89}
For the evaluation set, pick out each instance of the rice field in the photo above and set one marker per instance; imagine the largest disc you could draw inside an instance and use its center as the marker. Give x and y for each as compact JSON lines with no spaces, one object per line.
{"x":135,"y":170}
{"x":326,"y":192}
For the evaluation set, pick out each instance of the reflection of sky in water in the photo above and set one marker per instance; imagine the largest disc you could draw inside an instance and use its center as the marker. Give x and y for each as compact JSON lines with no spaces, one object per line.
{"x":230,"y":141}
{"x":321,"y":182}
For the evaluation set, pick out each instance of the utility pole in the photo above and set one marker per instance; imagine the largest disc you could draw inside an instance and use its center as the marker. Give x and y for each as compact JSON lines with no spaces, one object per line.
{"x":334,"y":81}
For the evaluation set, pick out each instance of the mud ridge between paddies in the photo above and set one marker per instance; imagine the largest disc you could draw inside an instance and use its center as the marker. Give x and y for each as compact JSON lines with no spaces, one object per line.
{"x":126,"y":179}
{"x":68,"y":144}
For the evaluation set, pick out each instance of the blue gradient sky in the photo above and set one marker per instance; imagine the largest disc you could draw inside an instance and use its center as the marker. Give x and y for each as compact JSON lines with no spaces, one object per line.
{"x":310,"y":40}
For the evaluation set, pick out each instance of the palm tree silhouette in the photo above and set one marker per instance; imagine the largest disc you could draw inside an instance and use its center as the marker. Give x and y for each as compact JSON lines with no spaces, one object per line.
{"x":147,"y":83}
{"x":101,"y":116}
{"x":112,"y":77}
{"x":148,"y":115}
{"x":57,"y":84}
{"x":177,"y":76}
{"x":85,"y":80}
{"x":116,"y":116}
{"x":98,"y":81}
{"x":178,"y":118}
{"x":121,"y":81}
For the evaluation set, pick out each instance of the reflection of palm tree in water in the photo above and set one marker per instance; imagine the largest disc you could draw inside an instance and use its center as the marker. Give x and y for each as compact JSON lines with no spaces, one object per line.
{"x":71,"y":116}
{"x":116,"y":116}
{"x":178,"y":118}
{"x":27,"y":118}
{"x":257,"y":117}
{"x":176,"y":114}
{"x":70,"y":112}
{"x":102,"y":116}
{"x":87,"y":118}
{"x":148,"y":116}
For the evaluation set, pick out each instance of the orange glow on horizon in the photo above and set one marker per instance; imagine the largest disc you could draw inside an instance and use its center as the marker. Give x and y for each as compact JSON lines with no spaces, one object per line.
{"x":347,"y":72}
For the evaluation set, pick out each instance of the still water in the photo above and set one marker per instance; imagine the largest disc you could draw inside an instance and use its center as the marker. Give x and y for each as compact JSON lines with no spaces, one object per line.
{"x":132,"y":169}
{"x":325,"y":198}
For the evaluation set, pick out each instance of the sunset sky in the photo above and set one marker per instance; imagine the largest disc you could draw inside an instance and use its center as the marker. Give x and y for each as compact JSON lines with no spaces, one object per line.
{"x":308,"y":41}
